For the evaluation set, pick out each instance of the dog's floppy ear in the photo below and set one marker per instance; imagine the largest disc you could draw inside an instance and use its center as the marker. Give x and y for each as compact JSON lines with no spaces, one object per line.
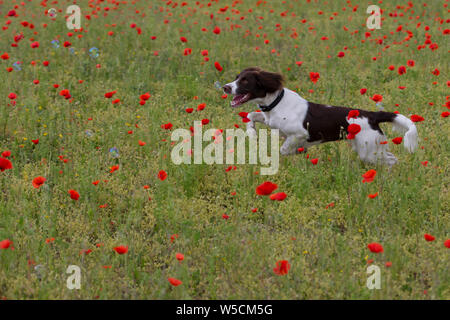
{"x":269,"y":81}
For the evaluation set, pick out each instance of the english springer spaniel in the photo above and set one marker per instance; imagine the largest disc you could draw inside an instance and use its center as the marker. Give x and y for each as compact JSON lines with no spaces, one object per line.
{"x":305,"y":123}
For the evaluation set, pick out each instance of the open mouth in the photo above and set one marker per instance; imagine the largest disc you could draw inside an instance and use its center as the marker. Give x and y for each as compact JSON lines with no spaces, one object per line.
{"x":240,"y":99}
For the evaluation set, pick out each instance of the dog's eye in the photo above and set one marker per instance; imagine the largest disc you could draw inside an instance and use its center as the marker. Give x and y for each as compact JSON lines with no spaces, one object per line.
{"x":244,"y":80}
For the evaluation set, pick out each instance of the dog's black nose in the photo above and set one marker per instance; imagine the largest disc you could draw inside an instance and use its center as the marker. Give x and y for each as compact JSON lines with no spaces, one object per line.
{"x":227,"y":89}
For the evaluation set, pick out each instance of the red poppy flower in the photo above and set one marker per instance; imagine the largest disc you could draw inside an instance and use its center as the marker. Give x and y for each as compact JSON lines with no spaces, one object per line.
{"x":121,"y":249}
{"x":314,"y":161}
{"x":218,"y":66}
{"x":74,"y":195}
{"x":5,"y":164}
{"x":375,"y":247}
{"x":353,"y":114}
{"x":391,"y":67}
{"x":145,"y":96}
{"x":173,"y":237}
{"x":373,"y":196}
{"x":341,"y":54}
{"x":447,"y":243}
{"x":377,"y":98}
{"x":167,"y":126}
{"x":353,"y":129}
{"x":411,"y":63}
{"x":363,"y":90}
{"x":5,"y":56}
{"x":266,"y":188}
{"x":397,"y":140}
{"x":174,"y":282}
{"x":183,"y":39}
{"x":5,"y":244}
{"x":416,"y":118}
{"x":429,"y":237}
{"x":401,"y":70}
{"x":86,"y":252}
{"x":12,"y":96}
{"x":280,"y":196}
{"x":38,"y":182}
{"x":369,"y":175}
{"x":6,"y":153}
{"x":162,"y":175}
{"x":187,"y":51}
{"x":179,"y":256}
{"x":314,"y":76}
{"x":216,"y":30}
{"x":445,"y":114}
{"x":64,"y":92}
{"x":282,"y":267}
{"x":114,"y":168}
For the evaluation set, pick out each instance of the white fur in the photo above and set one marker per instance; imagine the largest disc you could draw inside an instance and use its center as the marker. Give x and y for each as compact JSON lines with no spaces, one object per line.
{"x":233,"y":86}
{"x":367,"y":144}
{"x":288,"y":117}
{"x":405,"y":126}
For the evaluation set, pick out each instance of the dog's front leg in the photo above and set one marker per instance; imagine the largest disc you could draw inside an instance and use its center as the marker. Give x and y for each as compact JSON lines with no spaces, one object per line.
{"x":254,"y":117}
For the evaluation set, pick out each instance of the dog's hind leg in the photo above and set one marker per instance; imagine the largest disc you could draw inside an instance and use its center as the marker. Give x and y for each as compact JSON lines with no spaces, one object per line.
{"x":368,"y":145}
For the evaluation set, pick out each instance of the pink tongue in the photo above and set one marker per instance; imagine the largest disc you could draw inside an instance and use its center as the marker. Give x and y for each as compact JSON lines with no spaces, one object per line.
{"x":238,"y":97}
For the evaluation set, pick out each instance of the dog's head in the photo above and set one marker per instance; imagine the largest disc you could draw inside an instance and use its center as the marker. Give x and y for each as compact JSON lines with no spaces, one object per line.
{"x":253,"y":83}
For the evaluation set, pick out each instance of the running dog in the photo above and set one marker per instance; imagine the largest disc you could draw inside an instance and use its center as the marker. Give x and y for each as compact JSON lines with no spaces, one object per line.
{"x":305,"y":123}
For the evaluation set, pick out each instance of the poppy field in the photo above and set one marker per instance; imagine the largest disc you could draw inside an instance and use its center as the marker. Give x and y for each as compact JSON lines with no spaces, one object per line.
{"x":87,"y":180}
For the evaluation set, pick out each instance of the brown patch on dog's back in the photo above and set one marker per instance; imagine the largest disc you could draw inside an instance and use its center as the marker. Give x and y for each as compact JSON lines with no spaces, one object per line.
{"x":329,"y":123}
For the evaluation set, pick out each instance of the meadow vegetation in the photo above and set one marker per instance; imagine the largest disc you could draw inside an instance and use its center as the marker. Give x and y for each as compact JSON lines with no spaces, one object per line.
{"x":230,"y":237}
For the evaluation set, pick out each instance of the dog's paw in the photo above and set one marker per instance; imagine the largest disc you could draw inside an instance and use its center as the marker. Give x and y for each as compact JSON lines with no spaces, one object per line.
{"x":251,"y":133}
{"x":285,"y":150}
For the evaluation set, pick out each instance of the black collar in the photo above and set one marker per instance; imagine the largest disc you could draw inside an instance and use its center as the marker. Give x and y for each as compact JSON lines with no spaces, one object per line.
{"x":274,"y":103}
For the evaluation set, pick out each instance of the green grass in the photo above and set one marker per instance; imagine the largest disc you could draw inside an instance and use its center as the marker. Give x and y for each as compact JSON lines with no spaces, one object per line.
{"x":224,"y":259}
